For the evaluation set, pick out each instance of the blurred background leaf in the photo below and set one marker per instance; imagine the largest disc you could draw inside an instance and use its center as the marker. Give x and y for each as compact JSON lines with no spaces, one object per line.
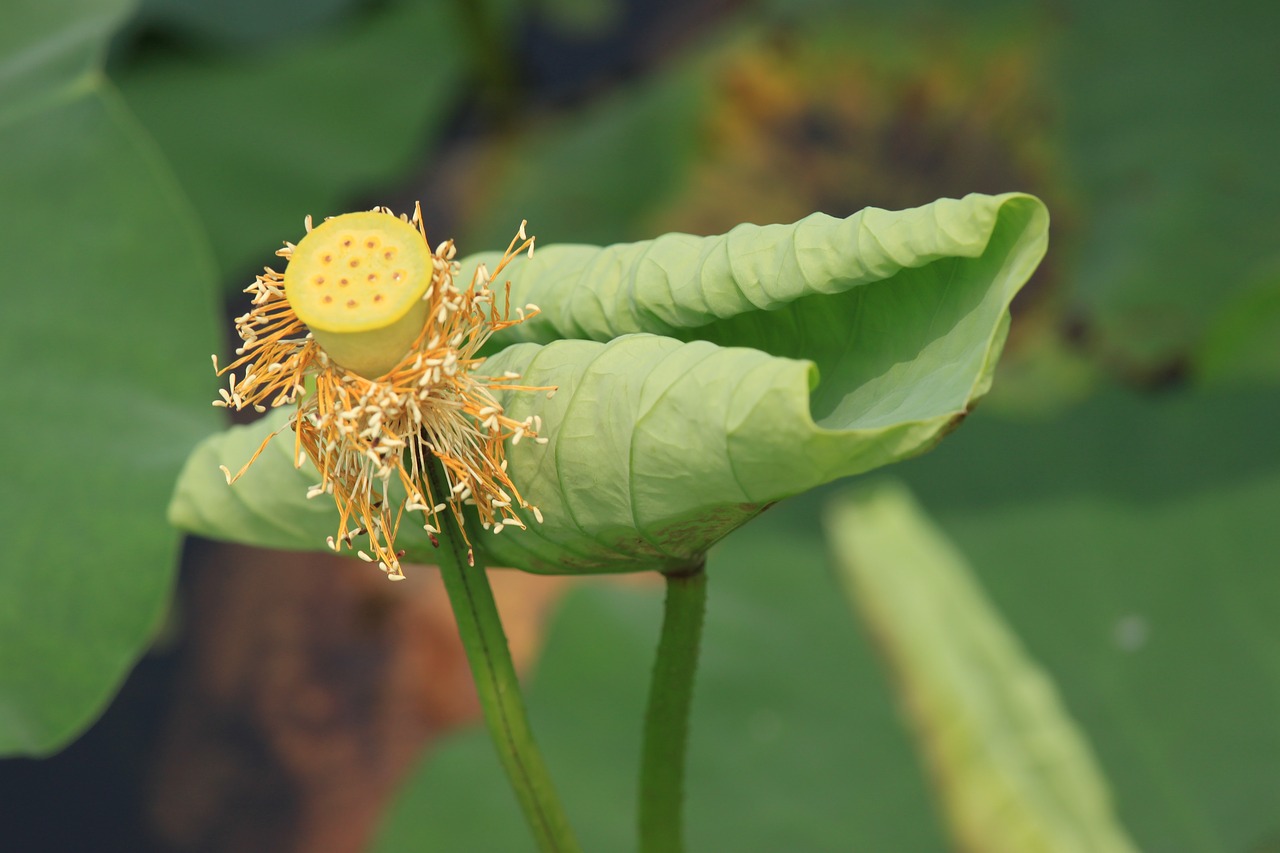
{"x":587,"y":179}
{"x":1128,"y":543}
{"x":1137,"y":129}
{"x":240,"y":24}
{"x":1242,"y":343}
{"x":47,"y":51}
{"x":260,"y":140}
{"x":106,"y":376}
{"x":1174,"y":163}
{"x":1011,"y":769}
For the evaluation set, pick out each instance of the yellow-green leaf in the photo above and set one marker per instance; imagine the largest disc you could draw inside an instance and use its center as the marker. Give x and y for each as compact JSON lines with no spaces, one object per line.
{"x":1013,"y":771}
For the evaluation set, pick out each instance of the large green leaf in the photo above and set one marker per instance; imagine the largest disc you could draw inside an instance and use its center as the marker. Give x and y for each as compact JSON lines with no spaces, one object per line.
{"x":48,"y":50}
{"x":812,"y":351}
{"x":106,"y":317}
{"x":1013,"y":771}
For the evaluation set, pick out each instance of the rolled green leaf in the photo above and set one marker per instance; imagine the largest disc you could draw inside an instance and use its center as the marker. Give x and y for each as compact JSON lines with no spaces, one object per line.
{"x":1013,"y":771}
{"x":701,"y":379}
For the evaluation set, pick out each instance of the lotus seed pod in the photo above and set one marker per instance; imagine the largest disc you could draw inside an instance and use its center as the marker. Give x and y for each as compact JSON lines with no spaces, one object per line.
{"x":389,"y":359}
{"x":357,"y":281}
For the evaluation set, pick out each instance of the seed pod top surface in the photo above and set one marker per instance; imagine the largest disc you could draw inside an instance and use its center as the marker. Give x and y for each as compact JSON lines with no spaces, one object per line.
{"x":358,"y":272}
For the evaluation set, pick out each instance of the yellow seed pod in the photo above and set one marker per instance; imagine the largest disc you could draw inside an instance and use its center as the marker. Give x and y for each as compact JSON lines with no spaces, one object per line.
{"x":357,"y":281}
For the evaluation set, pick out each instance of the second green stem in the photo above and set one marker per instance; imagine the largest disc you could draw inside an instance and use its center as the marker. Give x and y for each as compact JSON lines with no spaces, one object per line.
{"x":666,"y":724}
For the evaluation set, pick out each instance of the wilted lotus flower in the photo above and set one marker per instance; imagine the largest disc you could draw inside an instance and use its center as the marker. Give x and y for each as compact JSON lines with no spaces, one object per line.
{"x":371,"y":315}
{"x":702,"y":378}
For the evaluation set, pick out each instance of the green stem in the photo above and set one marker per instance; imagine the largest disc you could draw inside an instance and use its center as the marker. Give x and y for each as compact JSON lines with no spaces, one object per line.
{"x":495,"y":677}
{"x":666,"y":724}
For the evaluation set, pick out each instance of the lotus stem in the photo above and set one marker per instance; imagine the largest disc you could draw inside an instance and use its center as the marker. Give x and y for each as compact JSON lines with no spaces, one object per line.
{"x":494,"y":673}
{"x":666,"y":726}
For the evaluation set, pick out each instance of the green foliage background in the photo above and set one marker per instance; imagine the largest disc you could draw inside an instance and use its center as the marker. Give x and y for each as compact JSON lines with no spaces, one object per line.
{"x":1115,"y":496}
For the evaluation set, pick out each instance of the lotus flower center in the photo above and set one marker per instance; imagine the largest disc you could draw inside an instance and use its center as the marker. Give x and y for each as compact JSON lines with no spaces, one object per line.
{"x":358,"y":272}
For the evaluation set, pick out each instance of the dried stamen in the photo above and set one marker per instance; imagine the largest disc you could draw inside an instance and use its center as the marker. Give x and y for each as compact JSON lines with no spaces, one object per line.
{"x":384,"y":404}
